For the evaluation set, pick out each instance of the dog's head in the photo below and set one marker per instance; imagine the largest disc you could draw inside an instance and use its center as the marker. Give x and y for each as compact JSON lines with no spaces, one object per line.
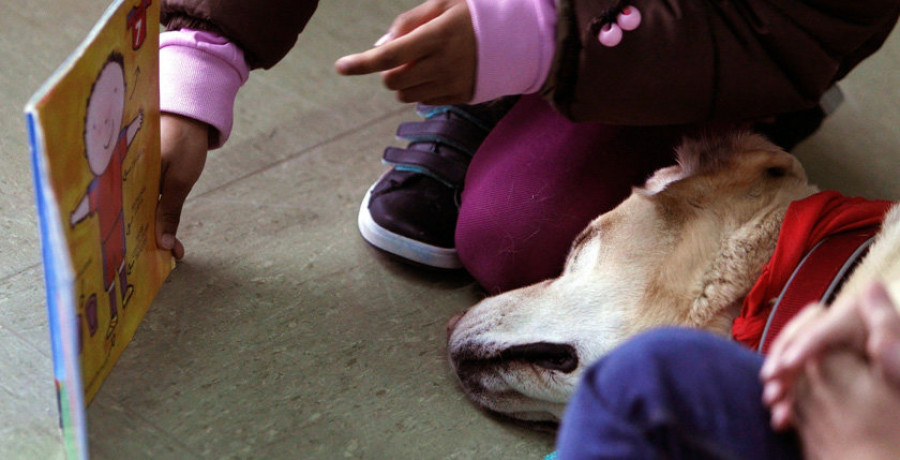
{"x":681,"y":250}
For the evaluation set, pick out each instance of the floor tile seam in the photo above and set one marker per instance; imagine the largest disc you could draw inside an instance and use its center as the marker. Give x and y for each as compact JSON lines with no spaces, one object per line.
{"x":12,"y":275}
{"x":171,"y":437}
{"x":12,"y":330}
{"x":24,"y":340}
{"x":253,"y":203}
{"x":317,"y":145}
{"x":7,"y":393}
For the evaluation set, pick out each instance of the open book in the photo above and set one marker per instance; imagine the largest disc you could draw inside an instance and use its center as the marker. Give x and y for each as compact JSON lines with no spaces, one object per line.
{"x":94,"y":134}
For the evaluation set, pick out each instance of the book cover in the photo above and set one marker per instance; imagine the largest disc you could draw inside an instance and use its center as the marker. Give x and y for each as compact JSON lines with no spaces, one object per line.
{"x":94,"y":135}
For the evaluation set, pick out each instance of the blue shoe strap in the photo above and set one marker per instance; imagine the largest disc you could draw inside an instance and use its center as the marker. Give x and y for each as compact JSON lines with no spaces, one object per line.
{"x":459,"y":134}
{"x":447,"y":171}
{"x":429,"y":112}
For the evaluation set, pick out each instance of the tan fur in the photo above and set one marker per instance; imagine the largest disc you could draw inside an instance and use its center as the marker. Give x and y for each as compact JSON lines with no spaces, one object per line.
{"x":720,"y":219}
{"x":682,"y":250}
{"x":882,"y":262}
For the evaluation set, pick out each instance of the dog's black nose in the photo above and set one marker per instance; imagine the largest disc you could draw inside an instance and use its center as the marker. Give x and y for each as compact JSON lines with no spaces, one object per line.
{"x":551,"y":356}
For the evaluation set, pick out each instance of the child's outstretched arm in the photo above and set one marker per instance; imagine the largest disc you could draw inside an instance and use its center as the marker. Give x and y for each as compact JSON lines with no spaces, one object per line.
{"x":184,"y":142}
{"x":429,"y":55}
{"x":201,"y":70}
{"x":633,"y":62}
{"x":197,"y":108}
{"x":463,"y":51}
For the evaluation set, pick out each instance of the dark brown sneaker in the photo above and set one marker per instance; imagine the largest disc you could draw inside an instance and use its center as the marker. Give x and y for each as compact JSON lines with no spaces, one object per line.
{"x":411,"y":211}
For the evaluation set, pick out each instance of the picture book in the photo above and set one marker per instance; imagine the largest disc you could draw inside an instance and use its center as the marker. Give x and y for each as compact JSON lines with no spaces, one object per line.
{"x":94,"y":135}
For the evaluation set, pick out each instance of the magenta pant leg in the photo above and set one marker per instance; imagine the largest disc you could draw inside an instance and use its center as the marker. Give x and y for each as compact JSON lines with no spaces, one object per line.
{"x":538,"y":180}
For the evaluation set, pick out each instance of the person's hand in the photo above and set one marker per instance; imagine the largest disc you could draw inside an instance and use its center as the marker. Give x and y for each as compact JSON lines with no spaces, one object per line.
{"x":429,"y":55}
{"x":868,"y":325}
{"x":882,"y":317}
{"x":814,"y":330}
{"x":184,"y":144}
{"x":846,"y":408}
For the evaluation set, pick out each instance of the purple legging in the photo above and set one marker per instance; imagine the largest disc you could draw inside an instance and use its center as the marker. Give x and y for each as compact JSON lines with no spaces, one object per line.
{"x":538,"y":180}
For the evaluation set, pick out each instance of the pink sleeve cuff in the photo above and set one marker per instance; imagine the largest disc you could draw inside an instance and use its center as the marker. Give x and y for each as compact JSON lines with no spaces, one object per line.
{"x":516,"y":42}
{"x":199,"y":77}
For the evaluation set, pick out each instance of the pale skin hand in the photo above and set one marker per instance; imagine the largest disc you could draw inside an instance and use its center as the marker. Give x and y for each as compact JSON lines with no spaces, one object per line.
{"x":184,"y":145}
{"x":845,"y":409}
{"x":867,"y":325}
{"x":430,"y":55}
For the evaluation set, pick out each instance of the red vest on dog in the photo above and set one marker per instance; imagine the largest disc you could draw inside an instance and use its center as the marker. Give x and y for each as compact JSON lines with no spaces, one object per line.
{"x":806,"y":223}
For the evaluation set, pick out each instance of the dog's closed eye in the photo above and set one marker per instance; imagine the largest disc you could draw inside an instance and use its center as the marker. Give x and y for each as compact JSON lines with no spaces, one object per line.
{"x":776,"y":171}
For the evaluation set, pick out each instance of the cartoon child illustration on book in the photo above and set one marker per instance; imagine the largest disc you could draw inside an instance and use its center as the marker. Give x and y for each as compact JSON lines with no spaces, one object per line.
{"x":106,"y":141}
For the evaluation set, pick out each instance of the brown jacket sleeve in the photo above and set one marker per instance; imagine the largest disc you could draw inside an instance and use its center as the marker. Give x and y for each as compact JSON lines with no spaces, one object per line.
{"x":698,"y":60}
{"x":264,"y":29}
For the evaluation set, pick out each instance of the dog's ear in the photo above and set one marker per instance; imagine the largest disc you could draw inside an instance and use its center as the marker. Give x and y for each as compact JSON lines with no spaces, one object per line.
{"x":744,"y":176}
{"x":711,"y":148}
{"x":771,"y":163}
{"x":734,"y":269}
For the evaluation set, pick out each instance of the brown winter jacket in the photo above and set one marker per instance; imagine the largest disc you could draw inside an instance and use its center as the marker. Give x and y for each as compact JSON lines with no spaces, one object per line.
{"x":264,"y":29}
{"x":697,"y":60}
{"x":689,"y":61}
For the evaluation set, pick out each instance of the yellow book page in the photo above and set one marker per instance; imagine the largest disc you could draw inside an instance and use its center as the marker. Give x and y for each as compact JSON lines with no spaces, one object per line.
{"x":100,"y":124}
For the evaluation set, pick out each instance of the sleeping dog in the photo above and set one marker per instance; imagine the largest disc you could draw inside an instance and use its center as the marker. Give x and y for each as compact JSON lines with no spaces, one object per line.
{"x":684,"y":250}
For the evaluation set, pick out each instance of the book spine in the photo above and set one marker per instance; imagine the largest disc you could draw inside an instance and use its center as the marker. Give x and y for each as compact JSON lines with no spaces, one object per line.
{"x":59,"y":281}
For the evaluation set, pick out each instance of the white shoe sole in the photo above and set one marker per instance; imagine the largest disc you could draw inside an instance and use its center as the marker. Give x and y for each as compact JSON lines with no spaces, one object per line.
{"x":407,"y":248}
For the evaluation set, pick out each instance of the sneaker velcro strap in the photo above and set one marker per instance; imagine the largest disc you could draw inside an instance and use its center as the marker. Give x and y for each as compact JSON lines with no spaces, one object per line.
{"x":481,"y":117}
{"x":459,"y":134}
{"x":450,"y":172}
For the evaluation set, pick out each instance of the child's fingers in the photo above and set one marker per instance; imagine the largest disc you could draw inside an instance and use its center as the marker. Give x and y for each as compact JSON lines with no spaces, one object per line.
{"x":883,"y":322}
{"x":773,"y":391}
{"x":409,"y":75}
{"x":813,"y":331}
{"x":438,"y":35}
{"x":178,"y":250}
{"x":183,"y":149}
{"x":385,"y":57}
{"x":427,"y":91}
{"x":782,"y":415}
{"x":412,"y":19}
{"x":426,"y":81}
{"x":817,"y":338}
{"x":429,"y":70}
{"x":371,"y":61}
{"x":802,"y":321}
{"x":168,"y":211}
{"x":168,"y":216}
{"x":778,"y":378}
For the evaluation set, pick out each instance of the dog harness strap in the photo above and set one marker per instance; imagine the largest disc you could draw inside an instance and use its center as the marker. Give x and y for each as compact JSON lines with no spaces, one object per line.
{"x":459,"y":134}
{"x":444,"y":169}
{"x":817,"y":278}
